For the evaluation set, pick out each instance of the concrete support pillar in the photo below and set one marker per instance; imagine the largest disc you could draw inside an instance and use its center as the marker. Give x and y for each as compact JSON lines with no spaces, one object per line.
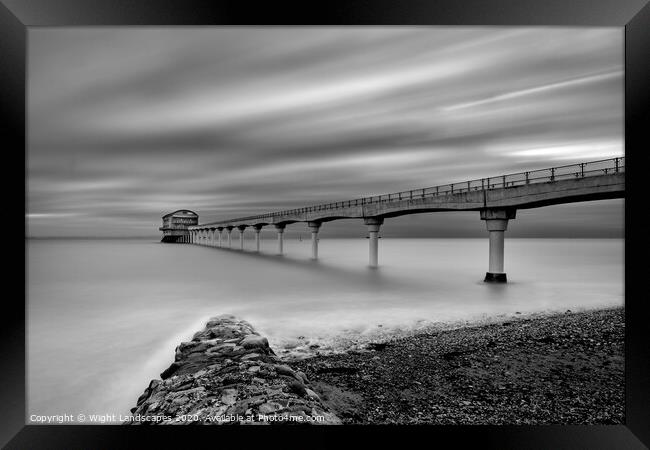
{"x":241,"y":229}
{"x":229,"y":236}
{"x":280,"y":227}
{"x":314,"y":227}
{"x":213,"y":232}
{"x":258,"y":228}
{"x":373,"y":223}
{"x":220,"y":234}
{"x":496,"y":221}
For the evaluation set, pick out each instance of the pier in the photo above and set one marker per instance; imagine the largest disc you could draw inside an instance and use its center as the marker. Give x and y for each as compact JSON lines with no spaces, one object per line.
{"x":497,"y":200}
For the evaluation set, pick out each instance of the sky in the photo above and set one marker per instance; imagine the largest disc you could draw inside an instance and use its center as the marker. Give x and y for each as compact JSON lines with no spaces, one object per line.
{"x":127,"y":124}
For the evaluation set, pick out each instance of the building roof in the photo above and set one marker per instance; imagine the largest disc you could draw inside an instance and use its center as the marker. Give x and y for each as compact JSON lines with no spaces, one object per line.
{"x":183,"y":211}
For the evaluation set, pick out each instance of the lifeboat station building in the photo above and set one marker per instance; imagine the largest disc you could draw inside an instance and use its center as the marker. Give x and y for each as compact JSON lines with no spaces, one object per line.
{"x":174,"y":226}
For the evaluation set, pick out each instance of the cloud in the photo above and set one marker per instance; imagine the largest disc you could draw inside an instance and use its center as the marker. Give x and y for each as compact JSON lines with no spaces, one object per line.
{"x":126,"y":124}
{"x":615,"y":74}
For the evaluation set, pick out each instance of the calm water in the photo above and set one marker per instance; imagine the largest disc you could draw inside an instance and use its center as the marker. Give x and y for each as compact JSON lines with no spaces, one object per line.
{"x":104,"y":317}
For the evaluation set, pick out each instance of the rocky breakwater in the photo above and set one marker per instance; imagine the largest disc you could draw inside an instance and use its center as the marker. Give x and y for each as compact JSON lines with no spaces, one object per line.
{"x":228,"y":374}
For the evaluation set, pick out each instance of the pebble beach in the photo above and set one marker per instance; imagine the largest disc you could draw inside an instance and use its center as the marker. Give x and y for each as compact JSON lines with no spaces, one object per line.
{"x":556,"y":368}
{"x":565,"y":368}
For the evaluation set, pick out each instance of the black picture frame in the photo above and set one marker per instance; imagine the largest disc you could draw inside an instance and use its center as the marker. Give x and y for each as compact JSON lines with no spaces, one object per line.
{"x":17,"y":16}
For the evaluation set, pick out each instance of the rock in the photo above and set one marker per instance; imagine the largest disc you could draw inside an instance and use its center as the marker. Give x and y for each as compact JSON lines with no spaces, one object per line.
{"x":312,"y":394}
{"x":168,"y":372}
{"x":292,"y":344}
{"x":283,"y":369}
{"x":228,"y":369}
{"x":298,"y":388}
{"x":252,"y":341}
{"x":303,"y":377}
{"x":269,"y":408}
{"x":229,"y":396}
{"x":180,"y":400}
{"x":377,"y":346}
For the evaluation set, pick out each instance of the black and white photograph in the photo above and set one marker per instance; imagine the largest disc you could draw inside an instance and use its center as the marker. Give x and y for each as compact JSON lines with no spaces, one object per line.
{"x":325,"y":225}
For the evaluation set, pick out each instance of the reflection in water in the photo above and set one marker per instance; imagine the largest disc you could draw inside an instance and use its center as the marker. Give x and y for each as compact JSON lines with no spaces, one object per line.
{"x":104,"y":317}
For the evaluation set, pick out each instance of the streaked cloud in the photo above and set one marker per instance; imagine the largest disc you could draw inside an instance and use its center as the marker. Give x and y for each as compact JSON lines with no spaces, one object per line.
{"x":615,"y":74}
{"x":33,"y":216}
{"x":126,"y":124}
{"x":585,"y":150}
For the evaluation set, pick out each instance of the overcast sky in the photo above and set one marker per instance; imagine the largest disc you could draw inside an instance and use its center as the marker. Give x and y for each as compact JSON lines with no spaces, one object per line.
{"x":126,"y":124}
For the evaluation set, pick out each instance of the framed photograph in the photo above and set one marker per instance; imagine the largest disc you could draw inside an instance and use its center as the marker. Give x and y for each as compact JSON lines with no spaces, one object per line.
{"x":379,"y":219}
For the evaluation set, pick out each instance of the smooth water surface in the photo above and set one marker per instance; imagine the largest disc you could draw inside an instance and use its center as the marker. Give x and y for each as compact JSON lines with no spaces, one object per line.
{"x":104,"y":316}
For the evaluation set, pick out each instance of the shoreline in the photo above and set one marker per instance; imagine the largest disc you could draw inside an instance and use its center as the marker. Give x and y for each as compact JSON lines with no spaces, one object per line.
{"x":539,"y":368}
{"x":351,"y":341}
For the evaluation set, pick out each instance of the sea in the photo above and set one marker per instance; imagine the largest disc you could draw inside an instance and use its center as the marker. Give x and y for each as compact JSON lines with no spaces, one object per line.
{"x":105,"y":316}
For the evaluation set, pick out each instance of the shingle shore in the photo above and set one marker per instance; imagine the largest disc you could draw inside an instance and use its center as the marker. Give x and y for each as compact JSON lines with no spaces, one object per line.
{"x":557,"y":369}
{"x":565,"y":368}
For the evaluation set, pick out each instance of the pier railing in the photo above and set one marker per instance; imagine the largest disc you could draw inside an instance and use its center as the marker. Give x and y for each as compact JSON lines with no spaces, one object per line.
{"x":549,"y":175}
